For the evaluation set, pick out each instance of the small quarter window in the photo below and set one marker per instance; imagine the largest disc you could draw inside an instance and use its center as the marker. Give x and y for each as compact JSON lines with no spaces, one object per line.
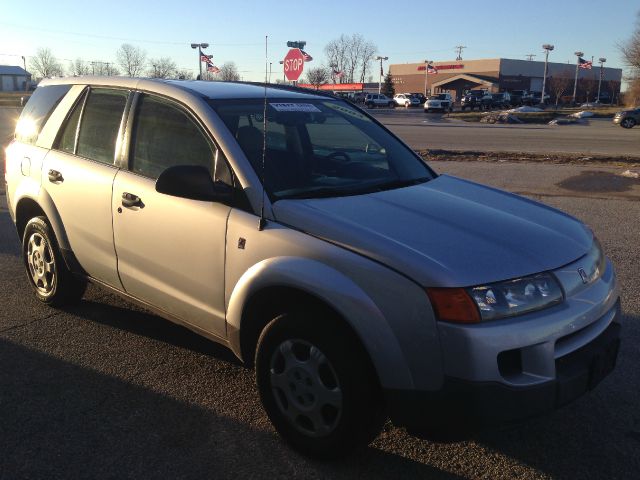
{"x":67,"y":139}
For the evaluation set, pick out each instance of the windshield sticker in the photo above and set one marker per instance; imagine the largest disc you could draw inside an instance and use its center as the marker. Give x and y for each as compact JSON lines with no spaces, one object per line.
{"x":295,"y":107}
{"x":346,"y":111}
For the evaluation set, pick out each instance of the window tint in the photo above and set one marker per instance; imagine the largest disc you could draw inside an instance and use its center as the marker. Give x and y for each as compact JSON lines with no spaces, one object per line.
{"x":67,"y":139}
{"x":164,"y":136}
{"x":37,"y":111}
{"x":100,"y":124}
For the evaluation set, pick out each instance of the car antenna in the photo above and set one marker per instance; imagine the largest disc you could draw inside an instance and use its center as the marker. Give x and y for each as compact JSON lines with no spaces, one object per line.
{"x":263,"y":222}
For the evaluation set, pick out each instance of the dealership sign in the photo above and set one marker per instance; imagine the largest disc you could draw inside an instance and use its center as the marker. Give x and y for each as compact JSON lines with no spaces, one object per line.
{"x":443,"y":67}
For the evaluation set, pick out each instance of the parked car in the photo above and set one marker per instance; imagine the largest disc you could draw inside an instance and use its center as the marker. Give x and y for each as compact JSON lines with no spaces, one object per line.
{"x":420,"y":96}
{"x":627,"y":118}
{"x":499,"y":101}
{"x":406,"y":100}
{"x":373,"y":100}
{"x":297,"y":231}
{"x":517,"y":97}
{"x":472,"y":99}
{"x":440,"y":101}
{"x":533,"y":99}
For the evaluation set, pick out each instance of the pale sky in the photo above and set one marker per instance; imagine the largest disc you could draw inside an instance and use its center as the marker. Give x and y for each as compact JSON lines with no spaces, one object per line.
{"x":403,"y":30}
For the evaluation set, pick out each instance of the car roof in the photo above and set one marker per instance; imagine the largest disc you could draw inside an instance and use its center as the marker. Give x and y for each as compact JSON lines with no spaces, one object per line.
{"x":211,"y":90}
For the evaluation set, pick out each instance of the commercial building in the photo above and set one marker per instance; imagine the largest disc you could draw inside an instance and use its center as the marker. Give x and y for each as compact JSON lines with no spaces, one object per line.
{"x":501,"y":74}
{"x":14,"y":79}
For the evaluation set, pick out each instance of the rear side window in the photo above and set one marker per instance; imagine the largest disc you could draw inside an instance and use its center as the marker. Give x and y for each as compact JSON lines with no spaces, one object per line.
{"x":37,"y":111}
{"x":164,"y":136}
{"x":67,"y":139}
{"x":100,"y":124}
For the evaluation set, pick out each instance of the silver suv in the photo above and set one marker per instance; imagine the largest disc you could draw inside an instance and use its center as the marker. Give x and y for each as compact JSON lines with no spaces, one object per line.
{"x":295,"y":229}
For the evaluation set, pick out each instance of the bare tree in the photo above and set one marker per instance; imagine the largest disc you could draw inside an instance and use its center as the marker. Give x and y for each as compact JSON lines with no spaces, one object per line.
{"x":183,"y":74}
{"x":318,"y":76}
{"x":558,"y":84}
{"x":79,"y":67}
{"x":229,"y":72}
{"x":131,"y":59}
{"x":45,"y":64}
{"x":631,"y":53}
{"x":350,"y":55}
{"x":162,"y":67}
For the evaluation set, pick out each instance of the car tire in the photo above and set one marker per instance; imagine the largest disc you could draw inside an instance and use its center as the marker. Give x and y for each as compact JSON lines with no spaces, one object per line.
{"x":627,"y":123}
{"x":317,"y":385}
{"x":47,"y":272}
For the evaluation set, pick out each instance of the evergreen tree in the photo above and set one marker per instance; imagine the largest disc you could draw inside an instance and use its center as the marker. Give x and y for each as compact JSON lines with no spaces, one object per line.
{"x":387,"y":87}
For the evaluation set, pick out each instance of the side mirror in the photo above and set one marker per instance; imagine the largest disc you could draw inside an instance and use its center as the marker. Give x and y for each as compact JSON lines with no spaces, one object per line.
{"x":193,"y":182}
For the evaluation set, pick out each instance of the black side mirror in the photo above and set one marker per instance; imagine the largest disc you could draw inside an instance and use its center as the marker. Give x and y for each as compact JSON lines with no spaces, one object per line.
{"x":193,"y":182}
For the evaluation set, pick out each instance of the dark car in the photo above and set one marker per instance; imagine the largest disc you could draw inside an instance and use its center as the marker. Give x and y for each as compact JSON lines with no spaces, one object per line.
{"x":627,"y":118}
{"x":472,"y":99}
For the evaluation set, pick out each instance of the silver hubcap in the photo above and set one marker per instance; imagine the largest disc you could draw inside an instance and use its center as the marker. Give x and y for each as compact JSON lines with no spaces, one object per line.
{"x":627,"y":122}
{"x":306,"y":387}
{"x":40,"y":263}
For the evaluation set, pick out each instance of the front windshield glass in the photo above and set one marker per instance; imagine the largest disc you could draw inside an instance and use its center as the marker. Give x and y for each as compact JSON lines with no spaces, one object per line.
{"x":319,"y":148}
{"x":441,"y":96}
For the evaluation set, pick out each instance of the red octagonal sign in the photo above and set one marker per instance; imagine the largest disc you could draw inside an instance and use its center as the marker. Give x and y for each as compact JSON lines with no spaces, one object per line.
{"x":293,"y":64}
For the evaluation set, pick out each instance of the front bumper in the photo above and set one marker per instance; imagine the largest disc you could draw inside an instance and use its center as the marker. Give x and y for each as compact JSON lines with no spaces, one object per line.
{"x":463,"y":406}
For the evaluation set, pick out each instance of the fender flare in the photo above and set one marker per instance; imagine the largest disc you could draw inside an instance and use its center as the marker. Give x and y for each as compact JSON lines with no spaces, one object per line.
{"x":336,"y":290}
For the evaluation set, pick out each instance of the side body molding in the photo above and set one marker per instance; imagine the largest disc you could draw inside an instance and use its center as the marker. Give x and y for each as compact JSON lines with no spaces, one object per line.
{"x":338,"y":291}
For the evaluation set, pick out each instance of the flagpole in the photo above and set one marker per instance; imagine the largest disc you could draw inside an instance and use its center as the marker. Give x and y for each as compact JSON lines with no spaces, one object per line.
{"x":575,"y":82}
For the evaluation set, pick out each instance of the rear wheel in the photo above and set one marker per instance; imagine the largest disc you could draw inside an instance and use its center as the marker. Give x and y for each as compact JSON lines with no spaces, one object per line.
{"x":52,"y":282}
{"x":627,"y":123}
{"x":317,"y":386}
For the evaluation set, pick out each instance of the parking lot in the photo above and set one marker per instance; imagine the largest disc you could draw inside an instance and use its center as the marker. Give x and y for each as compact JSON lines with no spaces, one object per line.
{"x":105,"y":390}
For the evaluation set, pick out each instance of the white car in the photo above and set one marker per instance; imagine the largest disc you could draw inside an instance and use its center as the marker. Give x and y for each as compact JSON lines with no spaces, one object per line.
{"x":439,"y":101}
{"x":406,"y":100}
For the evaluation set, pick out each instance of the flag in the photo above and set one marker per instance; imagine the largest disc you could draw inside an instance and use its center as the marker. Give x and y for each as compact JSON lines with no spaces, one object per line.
{"x":338,"y":73}
{"x":586,"y":64}
{"x":212,"y":68}
{"x":307,"y":57}
{"x":431,"y":70}
{"x":205,"y":58}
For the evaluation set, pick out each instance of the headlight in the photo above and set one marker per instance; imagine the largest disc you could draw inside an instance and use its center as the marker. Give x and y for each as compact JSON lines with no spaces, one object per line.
{"x":515,"y":297}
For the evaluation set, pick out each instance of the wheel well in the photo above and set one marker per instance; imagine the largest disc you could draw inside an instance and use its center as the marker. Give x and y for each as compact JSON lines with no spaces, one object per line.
{"x":25,"y":211}
{"x":270,"y":302}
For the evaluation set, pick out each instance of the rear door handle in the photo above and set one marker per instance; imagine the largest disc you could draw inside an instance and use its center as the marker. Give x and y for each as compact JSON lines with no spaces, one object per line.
{"x":130,"y":200}
{"x":55,"y":176}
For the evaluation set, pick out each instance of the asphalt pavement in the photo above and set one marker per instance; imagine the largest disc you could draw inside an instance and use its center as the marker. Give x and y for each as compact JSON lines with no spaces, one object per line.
{"x":106,"y":390}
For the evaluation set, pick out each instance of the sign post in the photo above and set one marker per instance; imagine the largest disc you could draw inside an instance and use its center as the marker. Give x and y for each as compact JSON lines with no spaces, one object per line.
{"x":293,"y":64}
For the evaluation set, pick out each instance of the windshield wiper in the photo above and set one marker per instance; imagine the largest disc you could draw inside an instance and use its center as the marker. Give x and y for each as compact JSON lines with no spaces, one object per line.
{"x":327,"y":192}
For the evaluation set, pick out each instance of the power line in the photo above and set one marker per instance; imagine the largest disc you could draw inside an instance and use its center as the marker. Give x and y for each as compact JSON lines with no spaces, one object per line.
{"x":459,"y":49}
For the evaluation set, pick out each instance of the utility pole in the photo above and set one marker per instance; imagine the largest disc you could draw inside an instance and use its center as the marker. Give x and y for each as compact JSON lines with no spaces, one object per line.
{"x":26,"y":83}
{"x":530,"y":56}
{"x":602,"y":60}
{"x":459,"y":49}
{"x":575,"y":82}
{"x":547,"y":48}
{"x":380,"y":79}
{"x":426,"y":74}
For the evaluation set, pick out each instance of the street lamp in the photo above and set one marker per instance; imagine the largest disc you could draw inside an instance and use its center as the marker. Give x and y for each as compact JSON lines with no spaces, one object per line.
{"x":199,"y":46}
{"x":426,"y":73}
{"x":602,"y":60}
{"x":575,"y":82}
{"x":547,"y":48}
{"x":380,"y":79}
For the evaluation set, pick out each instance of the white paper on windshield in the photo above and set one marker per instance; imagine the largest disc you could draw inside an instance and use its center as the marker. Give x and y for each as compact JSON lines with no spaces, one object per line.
{"x":295,"y":107}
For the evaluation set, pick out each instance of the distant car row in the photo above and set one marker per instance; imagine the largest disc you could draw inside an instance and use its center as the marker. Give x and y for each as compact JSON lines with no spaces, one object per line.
{"x":484,"y":100}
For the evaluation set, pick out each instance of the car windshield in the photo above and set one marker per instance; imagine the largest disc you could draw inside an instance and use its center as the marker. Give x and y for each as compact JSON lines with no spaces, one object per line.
{"x":441,"y":96}
{"x":319,"y":148}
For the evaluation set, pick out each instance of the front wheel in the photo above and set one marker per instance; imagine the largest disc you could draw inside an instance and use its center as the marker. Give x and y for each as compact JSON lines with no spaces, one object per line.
{"x":627,"y":123}
{"x":317,"y":386}
{"x":52,"y":282}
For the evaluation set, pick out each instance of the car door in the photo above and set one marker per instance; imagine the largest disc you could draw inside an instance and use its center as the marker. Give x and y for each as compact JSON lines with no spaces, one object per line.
{"x":171,"y":251}
{"x":78,"y":173}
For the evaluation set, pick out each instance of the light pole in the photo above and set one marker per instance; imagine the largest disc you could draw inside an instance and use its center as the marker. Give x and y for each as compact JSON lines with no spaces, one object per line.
{"x":575,"y":81}
{"x":426,"y":73}
{"x":380,"y":79}
{"x":602,"y":60}
{"x":24,"y":63}
{"x":199,"y":46}
{"x":284,"y":78}
{"x":547,"y":48}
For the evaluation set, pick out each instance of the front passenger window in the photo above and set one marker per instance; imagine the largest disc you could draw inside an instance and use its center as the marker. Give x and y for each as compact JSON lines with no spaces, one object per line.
{"x":165,"y":136}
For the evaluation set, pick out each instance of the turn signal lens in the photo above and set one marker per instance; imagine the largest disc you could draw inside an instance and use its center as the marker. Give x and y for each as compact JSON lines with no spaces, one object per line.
{"x":453,"y":305}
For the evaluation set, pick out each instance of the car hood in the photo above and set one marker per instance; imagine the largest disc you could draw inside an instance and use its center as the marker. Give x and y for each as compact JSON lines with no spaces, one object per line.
{"x":446,"y":232}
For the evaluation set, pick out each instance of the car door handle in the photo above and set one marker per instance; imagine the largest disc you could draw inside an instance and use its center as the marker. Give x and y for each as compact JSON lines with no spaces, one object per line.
{"x":55,"y":176}
{"x":130,"y":200}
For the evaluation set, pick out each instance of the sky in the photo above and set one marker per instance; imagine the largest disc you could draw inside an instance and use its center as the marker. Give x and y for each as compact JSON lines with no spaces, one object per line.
{"x":403,"y":30}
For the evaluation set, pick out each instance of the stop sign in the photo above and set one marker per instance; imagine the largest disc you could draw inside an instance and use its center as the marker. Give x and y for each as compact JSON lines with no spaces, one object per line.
{"x":293,"y":64}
